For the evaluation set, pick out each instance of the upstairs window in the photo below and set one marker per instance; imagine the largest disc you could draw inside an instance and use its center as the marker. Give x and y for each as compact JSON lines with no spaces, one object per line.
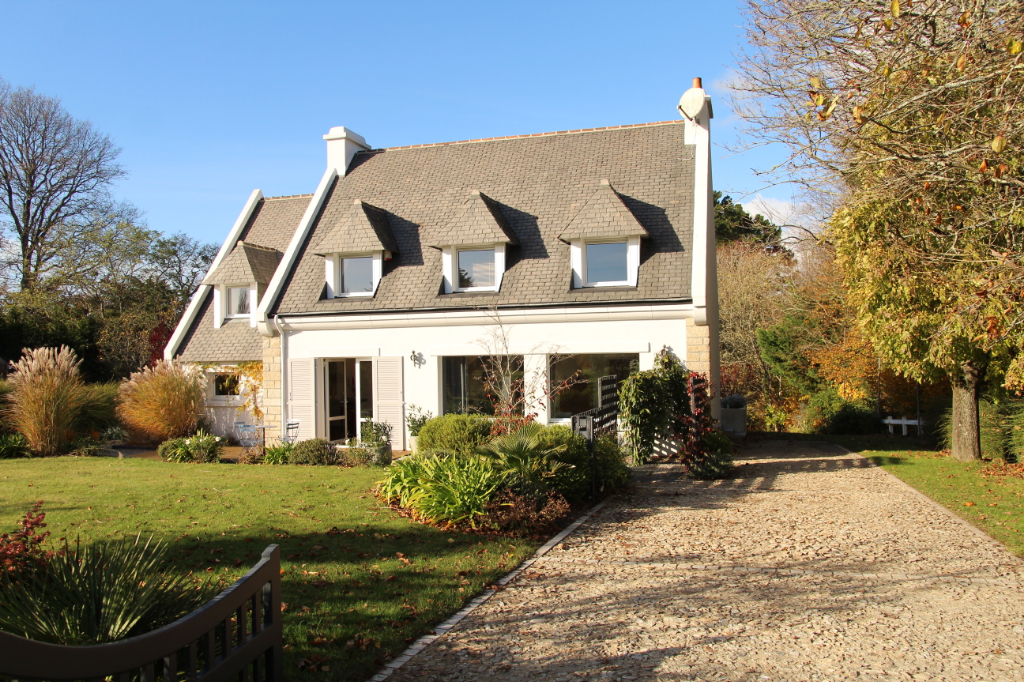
{"x":357,"y":276}
{"x":476,"y":269}
{"x":607,"y":263}
{"x":238,"y":301}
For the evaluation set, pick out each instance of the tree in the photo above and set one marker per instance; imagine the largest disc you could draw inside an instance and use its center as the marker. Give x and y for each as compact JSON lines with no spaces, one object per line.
{"x":181,"y":263}
{"x":54,"y":175}
{"x":733,"y":223}
{"x":909,"y":110}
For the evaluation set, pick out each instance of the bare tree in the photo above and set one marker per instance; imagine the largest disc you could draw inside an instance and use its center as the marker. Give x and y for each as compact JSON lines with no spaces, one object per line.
{"x":54,"y":175}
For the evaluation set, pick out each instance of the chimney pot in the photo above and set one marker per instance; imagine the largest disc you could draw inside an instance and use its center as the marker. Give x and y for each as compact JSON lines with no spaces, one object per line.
{"x":697,"y":83}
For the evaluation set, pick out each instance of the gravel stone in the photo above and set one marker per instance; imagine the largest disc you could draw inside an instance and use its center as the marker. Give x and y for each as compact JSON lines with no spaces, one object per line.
{"x":809,"y":564}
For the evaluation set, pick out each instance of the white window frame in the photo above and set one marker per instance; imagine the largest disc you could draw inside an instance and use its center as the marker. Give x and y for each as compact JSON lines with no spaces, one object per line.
{"x":450,"y":261}
{"x":214,"y":400}
{"x":578,"y":260}
{"x":332,"y":272}
{"x":222,"y":309}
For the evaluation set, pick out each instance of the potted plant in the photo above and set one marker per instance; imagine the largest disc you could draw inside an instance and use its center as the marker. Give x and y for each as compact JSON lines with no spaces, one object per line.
{"x":376,"y":438}
{"x":734,"y":415}
{"x":415,"y":420}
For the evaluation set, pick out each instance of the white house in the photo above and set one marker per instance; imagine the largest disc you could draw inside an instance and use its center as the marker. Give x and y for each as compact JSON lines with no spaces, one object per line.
{"x":582,"y":250}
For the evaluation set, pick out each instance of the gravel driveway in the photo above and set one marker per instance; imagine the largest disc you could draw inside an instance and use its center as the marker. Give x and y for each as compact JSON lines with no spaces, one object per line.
{"x":810,"y":564}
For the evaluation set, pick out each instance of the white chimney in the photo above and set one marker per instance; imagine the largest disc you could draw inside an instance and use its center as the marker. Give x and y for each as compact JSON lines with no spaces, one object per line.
{"x":342,"y":145}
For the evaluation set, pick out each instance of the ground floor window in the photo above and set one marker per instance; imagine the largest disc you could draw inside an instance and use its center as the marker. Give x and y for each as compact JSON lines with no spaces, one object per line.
{"x":473,"y":383}
{"x":225,"y":384}
{"x":582,"y":372}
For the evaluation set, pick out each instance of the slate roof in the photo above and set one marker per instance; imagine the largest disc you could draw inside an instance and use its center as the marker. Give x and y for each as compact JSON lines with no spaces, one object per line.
{"x":480,"y":221}
{"x":604,"y":216}
{"x":362,"y":228}
{"x":272,"y":225}
{"x":247,"y":263}
{"x":537,"y":184}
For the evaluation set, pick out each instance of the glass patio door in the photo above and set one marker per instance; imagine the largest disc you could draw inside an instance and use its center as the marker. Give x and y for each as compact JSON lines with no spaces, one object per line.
{"x":336,"y":387}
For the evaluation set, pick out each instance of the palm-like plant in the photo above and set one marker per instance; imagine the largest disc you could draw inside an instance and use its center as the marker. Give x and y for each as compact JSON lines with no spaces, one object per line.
{"x":99,"y":593}
{"x":524,"y":455}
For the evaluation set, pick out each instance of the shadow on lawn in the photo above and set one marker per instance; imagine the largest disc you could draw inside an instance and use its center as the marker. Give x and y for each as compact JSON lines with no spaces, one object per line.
{"x":357,"y":597}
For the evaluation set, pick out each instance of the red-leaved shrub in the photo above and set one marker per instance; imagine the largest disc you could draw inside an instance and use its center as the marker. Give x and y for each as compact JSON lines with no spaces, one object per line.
{"x":21,"y":551}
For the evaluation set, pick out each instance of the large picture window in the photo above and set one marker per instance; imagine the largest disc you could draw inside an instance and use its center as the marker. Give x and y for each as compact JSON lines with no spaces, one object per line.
{"x":472,"y":383}
{"x":582,"y":372}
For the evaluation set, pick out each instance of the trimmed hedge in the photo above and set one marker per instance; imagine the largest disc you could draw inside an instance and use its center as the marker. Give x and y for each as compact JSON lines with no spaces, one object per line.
{"x":315,"y":451}
{"x":458,"y":433}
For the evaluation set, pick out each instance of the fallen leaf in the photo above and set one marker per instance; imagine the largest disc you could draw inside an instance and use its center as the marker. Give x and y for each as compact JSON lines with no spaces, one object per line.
{"x":969,"y":504}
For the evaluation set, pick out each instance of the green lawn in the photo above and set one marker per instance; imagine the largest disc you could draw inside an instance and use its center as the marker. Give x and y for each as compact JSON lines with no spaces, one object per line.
{"x":356,"y":595}
{"x":995,"y":504}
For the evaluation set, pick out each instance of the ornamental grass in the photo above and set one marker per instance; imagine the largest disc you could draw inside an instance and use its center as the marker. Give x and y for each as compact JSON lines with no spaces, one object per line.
{"x":162,"y":402}
{"x":46,"y":398}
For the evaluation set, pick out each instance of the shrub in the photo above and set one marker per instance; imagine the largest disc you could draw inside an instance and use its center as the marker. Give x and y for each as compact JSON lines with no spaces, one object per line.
{"x":523,"y":455}
{"x":829,"y":413}
{"x":416,"y":418}
{"x":20,"y":552}
{"x":278,"y":454}
{"x":612,"y":470}
{"x":354,"y":456}
{"x":374,"y":434}
{"x":103,"y":592}
{"x":84,"y":447}
{"x":202,"y":448}
{"x":315,"y":451}
{"x":458,"y":433}
{"x":13,"y":446}
{"x":162,"y":402}
{"x":443,"y":487}
{"x":46,"y":398}
{"x":716,"y":459}
{"x":99,"y":409}
{"x":524,"y":514}
{"x":573,"y":482}
{"x":114,"y":433}
{"x":654,"y":404}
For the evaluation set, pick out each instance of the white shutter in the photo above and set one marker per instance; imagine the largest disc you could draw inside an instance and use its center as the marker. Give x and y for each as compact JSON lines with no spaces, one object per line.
{"x":388,"y":397}
{"x":302,"y":395}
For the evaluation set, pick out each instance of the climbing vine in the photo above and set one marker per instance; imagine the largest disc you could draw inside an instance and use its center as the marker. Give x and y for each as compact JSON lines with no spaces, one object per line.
{"x":654,"y":403}
{"x":250,"y":379}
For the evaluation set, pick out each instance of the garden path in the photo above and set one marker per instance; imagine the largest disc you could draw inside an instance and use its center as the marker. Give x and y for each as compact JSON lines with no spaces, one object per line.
{"x":810,"y":564}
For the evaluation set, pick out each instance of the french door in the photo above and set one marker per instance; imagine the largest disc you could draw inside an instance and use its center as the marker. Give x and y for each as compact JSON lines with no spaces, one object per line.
{"x":348,"y":388}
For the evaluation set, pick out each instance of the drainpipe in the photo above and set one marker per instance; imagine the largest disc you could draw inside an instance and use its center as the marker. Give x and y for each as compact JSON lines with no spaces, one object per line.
{"x":284,"y":363}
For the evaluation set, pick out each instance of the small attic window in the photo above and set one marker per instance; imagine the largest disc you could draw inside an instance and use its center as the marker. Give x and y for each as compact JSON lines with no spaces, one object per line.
{"x":476,"y":269}
{"x":607,"y":263}
{"x":357,"y":275}
{"x":238,"y":301}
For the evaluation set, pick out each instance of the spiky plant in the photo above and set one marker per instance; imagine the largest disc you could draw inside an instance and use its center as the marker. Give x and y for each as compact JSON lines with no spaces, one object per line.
{"x":102,"y":592}
{"x":46,"y":399}
{"x":163,"y":401}
{"x":524,"y":454}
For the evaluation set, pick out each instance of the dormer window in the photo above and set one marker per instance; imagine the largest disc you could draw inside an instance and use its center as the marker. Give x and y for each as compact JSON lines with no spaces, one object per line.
{"x":355,"y":248}
{"x":473,"y":246}
{"x":604,"y":240}
{"x":353,"y":274}
{"x":357,"y":275}
{"x":239,"y":280}
{"x":238,"y":301}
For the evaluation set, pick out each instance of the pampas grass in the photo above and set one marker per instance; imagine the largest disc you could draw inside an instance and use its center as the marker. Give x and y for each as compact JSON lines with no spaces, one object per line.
{"x":46,"y":398}
{"x":163,"y":401}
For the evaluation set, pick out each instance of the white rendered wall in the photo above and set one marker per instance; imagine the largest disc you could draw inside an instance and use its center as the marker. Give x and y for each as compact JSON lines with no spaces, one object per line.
{"x":423,"y":378}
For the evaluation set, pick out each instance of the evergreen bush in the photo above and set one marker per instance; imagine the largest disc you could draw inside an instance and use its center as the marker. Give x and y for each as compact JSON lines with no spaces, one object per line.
{"x":201,"y":448}
{"x":315,"y":451}
{"x":717,"y":460}
{"x":459,"y":433}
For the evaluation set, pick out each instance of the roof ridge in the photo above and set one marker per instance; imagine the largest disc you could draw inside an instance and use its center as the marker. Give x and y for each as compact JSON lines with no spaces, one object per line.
{"x":288,"y":196}
{"x":518,"y":137}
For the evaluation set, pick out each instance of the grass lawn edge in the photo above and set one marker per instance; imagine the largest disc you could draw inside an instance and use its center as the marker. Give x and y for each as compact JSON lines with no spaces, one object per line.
{"x":953,"y":514}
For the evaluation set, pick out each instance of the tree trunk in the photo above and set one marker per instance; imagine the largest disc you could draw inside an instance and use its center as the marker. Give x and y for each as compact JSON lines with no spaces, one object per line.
{"x":966,"y":427}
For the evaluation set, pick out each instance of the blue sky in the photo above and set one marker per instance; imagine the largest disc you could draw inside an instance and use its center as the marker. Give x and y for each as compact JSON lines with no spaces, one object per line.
{"x":210,"y":100}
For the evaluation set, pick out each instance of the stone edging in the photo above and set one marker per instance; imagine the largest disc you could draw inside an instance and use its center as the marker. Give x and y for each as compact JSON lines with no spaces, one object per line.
{"x":948,"y":512}
{"x":442,"y":629}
